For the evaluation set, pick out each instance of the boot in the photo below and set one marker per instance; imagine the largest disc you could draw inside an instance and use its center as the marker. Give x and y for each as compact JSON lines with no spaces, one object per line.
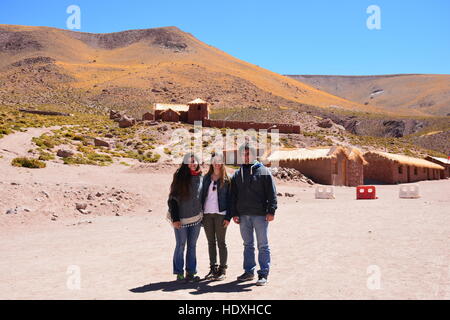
{"x":191,"y":278}
{"x":212,"y":273}
{"x":221,"y":273}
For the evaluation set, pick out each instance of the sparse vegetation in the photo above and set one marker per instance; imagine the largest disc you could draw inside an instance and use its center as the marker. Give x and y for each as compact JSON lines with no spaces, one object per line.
{"x":139,"y":141}
{"x":99,"y":158}
{"x":78,"y":159}
{"x":45,"y":156}
{"x":150,"y":157}
{"x":167,"y":151}
{"x":28,"y":163}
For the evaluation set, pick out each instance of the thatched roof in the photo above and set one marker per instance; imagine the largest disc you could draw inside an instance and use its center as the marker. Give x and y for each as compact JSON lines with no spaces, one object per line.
{"x":304,"y":153}
{"x":354,"y":154}
{"x":197,"y":101}
{"x":441,"y":160}
{"x":406,"y":160}
{"x":174,"y":107}
{"x":316,"y":153}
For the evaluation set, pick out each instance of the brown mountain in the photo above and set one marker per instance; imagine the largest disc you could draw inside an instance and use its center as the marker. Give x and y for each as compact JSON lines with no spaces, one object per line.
{"x":410,"y":94}
{"x":132,"y":69}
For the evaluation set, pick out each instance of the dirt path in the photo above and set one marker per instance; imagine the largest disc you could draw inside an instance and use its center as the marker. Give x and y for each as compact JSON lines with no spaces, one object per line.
{"x":17,"y":144}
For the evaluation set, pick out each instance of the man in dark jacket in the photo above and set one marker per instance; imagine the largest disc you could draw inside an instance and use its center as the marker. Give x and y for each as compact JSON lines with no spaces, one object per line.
{"x":253,"y":205}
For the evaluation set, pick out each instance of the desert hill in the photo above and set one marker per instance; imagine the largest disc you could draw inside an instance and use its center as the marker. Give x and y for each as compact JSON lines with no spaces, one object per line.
{"x":132,"y":69}
{"x":414,"y":94}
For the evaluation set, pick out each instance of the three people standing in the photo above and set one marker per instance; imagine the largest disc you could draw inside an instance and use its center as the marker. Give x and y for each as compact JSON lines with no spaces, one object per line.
{"x":249,"y":197}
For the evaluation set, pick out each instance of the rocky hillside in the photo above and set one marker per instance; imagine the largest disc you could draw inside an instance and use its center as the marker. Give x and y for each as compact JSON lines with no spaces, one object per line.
{"x":61,"y":70}
{"x":132,"y":69}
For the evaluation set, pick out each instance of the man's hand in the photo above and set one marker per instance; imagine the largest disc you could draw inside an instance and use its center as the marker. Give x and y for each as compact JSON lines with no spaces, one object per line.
{"x":226,"y":223}
{"x":270,"y":217}
{"x":177,"y":224}
{"x":236,"y":220}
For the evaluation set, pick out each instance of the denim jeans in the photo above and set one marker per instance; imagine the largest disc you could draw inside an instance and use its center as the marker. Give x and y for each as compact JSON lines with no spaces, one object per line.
{"x":258,"y":224}
{"x":183,"y":236}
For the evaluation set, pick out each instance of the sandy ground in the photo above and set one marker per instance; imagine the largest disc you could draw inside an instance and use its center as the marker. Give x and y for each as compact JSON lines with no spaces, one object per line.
{"x":388,"y":248}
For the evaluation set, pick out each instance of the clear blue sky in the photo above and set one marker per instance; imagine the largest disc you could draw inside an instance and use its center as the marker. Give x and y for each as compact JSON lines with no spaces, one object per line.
{"x":288,"y":37}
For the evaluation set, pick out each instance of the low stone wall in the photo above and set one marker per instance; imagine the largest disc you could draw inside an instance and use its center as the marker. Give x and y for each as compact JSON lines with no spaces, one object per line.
{"x":245,"y":125}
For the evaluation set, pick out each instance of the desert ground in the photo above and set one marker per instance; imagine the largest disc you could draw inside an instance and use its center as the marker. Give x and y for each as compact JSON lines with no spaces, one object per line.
{"x":121,"y":246}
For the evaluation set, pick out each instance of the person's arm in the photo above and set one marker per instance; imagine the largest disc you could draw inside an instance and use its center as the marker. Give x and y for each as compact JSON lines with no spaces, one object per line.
{"x":233,"y":197}
{"x":174,"y":209}
{"x":204,"y":190}
{"x":228,"y":215}
{"x":271,"y":194}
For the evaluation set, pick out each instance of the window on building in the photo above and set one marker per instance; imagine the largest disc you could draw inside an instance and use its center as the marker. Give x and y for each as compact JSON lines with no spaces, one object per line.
{"x":415,"y":171}
{"x":400,"y":169}
{"x":199,"y":108}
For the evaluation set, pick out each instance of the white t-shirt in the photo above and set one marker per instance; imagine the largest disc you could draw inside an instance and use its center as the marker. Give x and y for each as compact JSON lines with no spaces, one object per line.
{"x":212,"y":201}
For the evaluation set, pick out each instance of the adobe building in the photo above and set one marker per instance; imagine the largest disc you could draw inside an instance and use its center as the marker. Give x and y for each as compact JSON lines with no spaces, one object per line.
{"x":148,"y":116}
{"x":170,"y":112}
{"x":334,"y":165}
{"x":442,"y":162}
{"x":196,"y":110}
{"x":394,"y":168}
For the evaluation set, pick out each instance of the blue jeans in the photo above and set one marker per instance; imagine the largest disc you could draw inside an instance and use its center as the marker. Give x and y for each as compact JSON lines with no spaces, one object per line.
{"x":183,"y":236}
{"x":249,"y":224}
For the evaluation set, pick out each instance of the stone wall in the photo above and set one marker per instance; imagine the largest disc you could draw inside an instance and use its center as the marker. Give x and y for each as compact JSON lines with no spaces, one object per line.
{"x":381,"y":169}
{"x":245,"y":125}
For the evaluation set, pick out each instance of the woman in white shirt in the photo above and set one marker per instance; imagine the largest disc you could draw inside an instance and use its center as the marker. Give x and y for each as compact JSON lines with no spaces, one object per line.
{"x":216,"y":215}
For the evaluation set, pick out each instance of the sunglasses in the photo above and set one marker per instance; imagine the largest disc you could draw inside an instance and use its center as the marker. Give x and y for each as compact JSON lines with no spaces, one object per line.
{"x":215,"y":186}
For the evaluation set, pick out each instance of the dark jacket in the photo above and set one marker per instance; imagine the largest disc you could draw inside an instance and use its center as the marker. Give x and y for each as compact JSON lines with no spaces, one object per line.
{"x":223,"y":195}
{"x":186,"y":208}
{"x":253,"y":191}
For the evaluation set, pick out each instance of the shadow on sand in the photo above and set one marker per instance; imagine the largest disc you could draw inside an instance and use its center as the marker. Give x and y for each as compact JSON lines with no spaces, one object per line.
{"x":198,"y":288}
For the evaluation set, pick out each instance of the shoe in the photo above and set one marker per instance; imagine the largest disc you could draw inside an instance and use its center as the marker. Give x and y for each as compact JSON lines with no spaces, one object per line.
{"x":246,"y":276}
{"x":221,"y":273}
{"x":180,"y":277}
{"x":212,"y":272}
{"x":262,"y":280}
{"x":191,"y":278}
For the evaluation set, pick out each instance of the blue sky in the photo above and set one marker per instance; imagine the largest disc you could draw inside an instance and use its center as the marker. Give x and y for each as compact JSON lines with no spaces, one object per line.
{"x":288,"y":37}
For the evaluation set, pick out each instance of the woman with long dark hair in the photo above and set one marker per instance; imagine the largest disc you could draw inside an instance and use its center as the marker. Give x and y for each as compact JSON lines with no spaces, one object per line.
{"x":216,"y":215}
{"x":185,"y":209}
